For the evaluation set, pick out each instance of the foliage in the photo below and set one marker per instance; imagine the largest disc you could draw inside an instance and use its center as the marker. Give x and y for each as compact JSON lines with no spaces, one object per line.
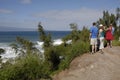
{"x":73,"y":26}
{"x":84,"y":35}
{"x":52,"y":57}
{"x":48,"y":41}
{"x":113,"y":19}
{"x":55,"y":54}
{"x":116,"y":43}
{"x":41,"y":32}
{"x":76,"y":35}
{"x":44,"y":37}
{"x":15,"y":47}
{"x":107,"y":19}
{"x":30,"y":67}
{"x":24,"y":46}
{"x":73,"y":51}
{"x":68,"y":52}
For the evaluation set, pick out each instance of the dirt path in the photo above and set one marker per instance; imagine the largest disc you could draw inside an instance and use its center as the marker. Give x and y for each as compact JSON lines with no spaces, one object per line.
{"x":94,"y":67}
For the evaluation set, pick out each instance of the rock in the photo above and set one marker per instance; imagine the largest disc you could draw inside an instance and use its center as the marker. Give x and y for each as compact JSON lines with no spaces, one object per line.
{"x":2,"y":51}
{"x":94,"y":67}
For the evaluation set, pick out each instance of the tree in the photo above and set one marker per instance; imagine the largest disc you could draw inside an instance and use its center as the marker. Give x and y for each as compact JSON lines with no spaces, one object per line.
{"x":75,"y":33}
{"x":73,"y":26}
{"x":44,"y":37}
{"x":84,"y":34}
{"x":109,"y":18}
{"x":42,"y":34}
{"x":24,"y":46}
{"x":118,"y":19}
{"x":118,"y":14}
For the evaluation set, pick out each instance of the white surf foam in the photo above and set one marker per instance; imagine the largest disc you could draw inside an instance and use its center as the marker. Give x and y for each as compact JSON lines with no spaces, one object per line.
{"x":10,"y":53}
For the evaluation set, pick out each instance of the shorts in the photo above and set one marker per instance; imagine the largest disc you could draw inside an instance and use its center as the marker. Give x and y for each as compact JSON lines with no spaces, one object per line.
{"x":93,"y":41}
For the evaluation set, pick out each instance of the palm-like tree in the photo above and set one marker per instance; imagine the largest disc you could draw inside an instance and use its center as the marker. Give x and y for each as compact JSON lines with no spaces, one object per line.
{"x":118,"y":18}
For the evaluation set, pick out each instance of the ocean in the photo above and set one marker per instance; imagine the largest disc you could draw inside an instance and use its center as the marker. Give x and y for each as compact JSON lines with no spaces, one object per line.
{"x":9,"y":37}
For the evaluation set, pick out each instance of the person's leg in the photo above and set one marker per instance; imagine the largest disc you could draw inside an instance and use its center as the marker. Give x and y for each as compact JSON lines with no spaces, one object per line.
{"x":96,"y":44}
{"x":93,"y":47}
{"x":101,"y":45}
{"x":110,"y":43}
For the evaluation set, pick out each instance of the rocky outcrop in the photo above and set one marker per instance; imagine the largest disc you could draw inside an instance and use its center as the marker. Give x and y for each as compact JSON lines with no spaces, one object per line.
{"x":94,"y":66}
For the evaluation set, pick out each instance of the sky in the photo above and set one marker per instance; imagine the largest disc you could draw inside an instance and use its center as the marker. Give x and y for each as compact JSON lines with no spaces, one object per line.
{"x":16,"y":15}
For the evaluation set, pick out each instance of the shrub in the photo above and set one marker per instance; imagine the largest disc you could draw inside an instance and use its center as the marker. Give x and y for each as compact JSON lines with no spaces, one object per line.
{"x":30,"y":67}
{"x":116,"y":43}
{"x":75,"y":50}
{"x":52,"y":57}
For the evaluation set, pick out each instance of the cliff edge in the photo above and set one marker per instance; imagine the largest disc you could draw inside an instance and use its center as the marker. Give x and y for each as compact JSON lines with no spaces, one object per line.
{"x":94,"y":66}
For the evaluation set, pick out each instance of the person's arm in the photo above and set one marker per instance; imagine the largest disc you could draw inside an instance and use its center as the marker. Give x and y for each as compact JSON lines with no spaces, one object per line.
{"x":90,"y":33}
{"x":99,"y":32}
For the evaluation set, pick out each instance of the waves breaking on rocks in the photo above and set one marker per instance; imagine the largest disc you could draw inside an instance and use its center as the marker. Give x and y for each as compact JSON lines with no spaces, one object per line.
{"x":11,"y":53}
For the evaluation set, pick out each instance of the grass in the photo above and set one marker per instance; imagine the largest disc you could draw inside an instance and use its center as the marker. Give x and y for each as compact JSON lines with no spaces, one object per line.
{"x":116,"y":43}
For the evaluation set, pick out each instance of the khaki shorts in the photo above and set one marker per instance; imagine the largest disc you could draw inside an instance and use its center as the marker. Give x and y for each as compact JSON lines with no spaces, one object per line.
{"x":93,"y":41}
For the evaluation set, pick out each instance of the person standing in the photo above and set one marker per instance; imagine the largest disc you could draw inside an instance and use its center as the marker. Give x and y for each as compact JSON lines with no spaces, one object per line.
{"x":113,"y":29}
{"x":101,"y":38}
{"x":93,"y":37}
{"x":109,"y":36}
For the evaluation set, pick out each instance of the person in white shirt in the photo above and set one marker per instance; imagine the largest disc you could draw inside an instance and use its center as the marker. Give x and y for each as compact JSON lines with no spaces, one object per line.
{"x":101,"y":38}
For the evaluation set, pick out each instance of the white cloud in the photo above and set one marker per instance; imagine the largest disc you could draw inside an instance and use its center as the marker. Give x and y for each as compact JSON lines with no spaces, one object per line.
{"x":82,"y":14}
{"x":26,"y":1}
{"x":56,"y":19}
{"x":5,"y":11}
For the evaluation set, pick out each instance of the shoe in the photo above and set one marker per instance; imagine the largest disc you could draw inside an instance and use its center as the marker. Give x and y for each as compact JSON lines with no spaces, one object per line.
{"x":92,"y":52}
{"x":102,"y":52}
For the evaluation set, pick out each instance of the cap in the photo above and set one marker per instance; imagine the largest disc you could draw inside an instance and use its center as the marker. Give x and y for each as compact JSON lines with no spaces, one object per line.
{"x":100,"y":25}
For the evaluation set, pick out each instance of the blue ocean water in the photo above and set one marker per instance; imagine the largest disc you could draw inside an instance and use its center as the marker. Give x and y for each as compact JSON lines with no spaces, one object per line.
{"x":10,"y":36}
{"x":7,"y":38}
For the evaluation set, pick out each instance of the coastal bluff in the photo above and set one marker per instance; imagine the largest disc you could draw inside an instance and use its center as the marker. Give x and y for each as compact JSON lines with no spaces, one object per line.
{"x":95,"y":66}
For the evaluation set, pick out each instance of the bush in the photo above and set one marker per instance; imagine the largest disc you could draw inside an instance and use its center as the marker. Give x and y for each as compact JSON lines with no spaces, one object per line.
{"x":75,"y":50}
{"x":31,"y":67}
{"x":68,"y":53}
{"x":52,"y":57}
{"x":27,"y":68}
{"x":116,"y":43}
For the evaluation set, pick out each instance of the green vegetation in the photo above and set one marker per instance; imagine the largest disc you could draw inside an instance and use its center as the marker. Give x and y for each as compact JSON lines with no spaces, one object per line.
{"x":73,"y":51}
{"x":46,"y":38}
{"x":30,"y":66}
{"x":116,"y":43}
{"x":109,"y":18}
